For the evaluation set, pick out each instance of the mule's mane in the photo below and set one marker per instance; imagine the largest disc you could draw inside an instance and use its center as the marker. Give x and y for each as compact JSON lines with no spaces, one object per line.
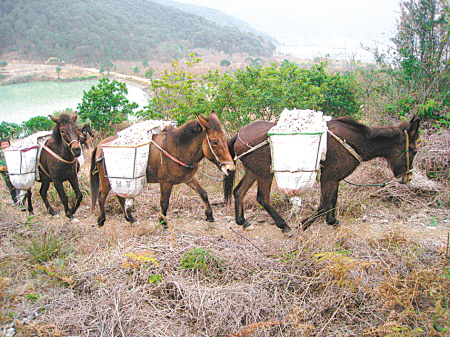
{"x":370,"y":132}
{"x":190,"y":129}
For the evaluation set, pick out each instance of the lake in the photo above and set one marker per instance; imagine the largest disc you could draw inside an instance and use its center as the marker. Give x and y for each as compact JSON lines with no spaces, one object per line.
{"x":20,"y":102}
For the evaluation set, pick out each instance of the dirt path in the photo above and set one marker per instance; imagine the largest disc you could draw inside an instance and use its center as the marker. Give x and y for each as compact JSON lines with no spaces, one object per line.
{"x":16,"y":72}
{"x":414,"y":220}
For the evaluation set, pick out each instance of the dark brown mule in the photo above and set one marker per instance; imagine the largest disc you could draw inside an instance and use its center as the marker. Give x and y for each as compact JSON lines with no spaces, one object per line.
{"x":85,"y":132}
{"x":397,"y":144}
{"x":58,"y":162}
{"x":187,"y":145}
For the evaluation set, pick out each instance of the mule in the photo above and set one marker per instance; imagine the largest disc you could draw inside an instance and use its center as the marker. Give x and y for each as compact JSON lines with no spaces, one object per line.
{"x":85,"y":132}
{"x":173,"y":159}
{"x":57,"y":162}
{"x":397,"y":144}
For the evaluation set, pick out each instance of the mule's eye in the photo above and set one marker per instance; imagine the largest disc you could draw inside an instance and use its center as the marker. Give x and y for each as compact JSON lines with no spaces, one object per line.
{"x":214,"y":142}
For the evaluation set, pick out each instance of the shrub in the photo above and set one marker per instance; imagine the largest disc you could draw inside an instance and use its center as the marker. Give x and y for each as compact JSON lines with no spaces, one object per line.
{"x":38,"y":123}
{"x":225,"y":63}
{"x":10,"y":130}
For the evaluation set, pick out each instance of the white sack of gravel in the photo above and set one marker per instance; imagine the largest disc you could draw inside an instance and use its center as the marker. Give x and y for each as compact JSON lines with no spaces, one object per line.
{"x":298,"y":143}
{"x":126,"y":157}
{"x":21,"y":157}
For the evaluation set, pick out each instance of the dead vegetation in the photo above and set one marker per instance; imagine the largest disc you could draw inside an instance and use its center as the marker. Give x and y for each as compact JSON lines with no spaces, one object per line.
{"x":384,"y":272}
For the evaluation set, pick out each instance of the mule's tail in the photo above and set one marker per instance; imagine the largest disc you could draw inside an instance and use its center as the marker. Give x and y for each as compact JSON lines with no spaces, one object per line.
{"x":95,"y":179}
{"x":228,"y":182}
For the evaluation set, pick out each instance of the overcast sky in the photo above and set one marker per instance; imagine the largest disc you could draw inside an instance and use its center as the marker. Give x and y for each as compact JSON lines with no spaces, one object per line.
{"x":315,"y":23}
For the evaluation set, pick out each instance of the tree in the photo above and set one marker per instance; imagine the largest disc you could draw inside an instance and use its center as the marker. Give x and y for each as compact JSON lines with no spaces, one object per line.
{"x":106,"y":66}
{"x":58,"y":71}
{"x":11,"y":130}
{"x":149,"y":72}
{"x":106,"y":105}
{"x":419,"y":61}
{"x":178,"y":95}
{"x":38,"y":123}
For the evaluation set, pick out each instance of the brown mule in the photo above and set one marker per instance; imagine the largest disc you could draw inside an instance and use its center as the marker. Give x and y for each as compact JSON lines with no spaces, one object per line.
{"x":173,"y":159}
{"x":395,"y":143}
{"x":58,"y":163}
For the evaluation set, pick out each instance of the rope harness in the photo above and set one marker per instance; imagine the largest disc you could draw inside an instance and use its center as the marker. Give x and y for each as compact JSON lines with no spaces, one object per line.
{"x":358,"y":157}
{"x":179,"y":162}
{"x":348,"y":147}
{"x":252,"y":148}
{"x":53,"y":154}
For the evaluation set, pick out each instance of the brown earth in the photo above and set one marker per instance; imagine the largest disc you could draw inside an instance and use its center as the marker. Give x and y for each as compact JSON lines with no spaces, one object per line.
{"x":364,"y":211}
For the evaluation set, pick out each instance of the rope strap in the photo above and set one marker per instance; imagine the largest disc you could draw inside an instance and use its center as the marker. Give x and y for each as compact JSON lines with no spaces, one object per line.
{"x":346,"y":146}
{"x":254,"y":148}
{"x":57,"y":156}
{"x":172,"y":157}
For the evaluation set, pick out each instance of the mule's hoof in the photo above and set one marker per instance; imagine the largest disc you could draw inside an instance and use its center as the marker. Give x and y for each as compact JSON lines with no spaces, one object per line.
{"x":335,"y":224}
{"x":288,"y":232}
{"x":74,"y":220}
{"x":135,"y":223}
{"x":248,"y":227}
{"x":210,"y":219}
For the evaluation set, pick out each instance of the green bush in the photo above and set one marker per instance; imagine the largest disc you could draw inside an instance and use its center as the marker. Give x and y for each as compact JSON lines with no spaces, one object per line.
{"x":225,"y":63}
{"x":106,"y":105}
{"x":38,"y":123}
{"x":149,"y":73}
{"x":201,"y":259}
{"x":10,"y":130}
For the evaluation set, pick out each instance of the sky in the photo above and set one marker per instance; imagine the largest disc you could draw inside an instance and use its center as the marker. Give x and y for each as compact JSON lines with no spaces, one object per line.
{"x":309,"y":26}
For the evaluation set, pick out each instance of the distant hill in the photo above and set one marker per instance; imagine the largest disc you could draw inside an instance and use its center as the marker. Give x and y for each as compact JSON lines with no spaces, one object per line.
{"x":92,"y":31}
{"x":217,"y":16}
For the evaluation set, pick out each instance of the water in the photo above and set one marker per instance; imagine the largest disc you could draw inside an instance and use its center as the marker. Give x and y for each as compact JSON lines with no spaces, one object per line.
{"x":20,"y":102}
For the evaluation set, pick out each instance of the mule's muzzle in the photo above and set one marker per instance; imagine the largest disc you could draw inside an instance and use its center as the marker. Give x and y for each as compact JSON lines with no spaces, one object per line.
{"x":76,"y":150}
{"x":228,"y":168}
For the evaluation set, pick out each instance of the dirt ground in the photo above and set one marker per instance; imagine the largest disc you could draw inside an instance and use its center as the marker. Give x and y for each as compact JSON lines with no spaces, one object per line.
{"x":364,"y":211}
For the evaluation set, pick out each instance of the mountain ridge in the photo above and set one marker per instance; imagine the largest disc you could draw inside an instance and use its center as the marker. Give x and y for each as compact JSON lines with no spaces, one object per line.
{"x":94,"y":31}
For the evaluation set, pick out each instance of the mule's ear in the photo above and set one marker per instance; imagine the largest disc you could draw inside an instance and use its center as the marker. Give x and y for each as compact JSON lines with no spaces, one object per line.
{"x":413,"y":130}
{"x":203,"y":122}
{"x":74,"y":117}
{"x":53,"y":118}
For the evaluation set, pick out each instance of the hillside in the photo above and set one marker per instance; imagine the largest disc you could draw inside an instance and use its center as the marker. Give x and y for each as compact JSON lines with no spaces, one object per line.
{"x":217,"y":16}
{"x":92,"y":31}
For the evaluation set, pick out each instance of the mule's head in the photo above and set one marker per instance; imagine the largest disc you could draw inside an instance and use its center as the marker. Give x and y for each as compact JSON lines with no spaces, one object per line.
{"x":87,"y":129}
{"x":404,"y":151}
{"x":66,"y":132}
{"x":215,"y":145}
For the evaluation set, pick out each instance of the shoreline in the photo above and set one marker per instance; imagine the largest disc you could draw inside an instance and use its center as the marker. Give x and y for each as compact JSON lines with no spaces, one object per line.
{"x":25,"y":72}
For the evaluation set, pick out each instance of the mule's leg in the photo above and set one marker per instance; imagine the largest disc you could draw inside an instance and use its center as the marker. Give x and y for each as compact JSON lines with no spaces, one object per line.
{"x":263,"y":197}
{"x":102,"y":194}
{"x":126,"y":211}
{"x":239,"y":193}
{"x":166,"y":190}
{"x":79,"y":196}
{"x":63,"y":196}
{"x":30,"y":205}
{"x":43,"y":192}
{"x":327,"y":205}
{"x":195,"y":185}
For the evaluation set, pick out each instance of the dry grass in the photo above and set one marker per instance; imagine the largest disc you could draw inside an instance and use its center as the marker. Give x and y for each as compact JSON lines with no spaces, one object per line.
{"x":186,"y":281}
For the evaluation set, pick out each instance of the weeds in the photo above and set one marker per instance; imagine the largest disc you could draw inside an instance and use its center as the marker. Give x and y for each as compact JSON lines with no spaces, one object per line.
{"x":201,"y":259}
{"x":44,"y":248}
